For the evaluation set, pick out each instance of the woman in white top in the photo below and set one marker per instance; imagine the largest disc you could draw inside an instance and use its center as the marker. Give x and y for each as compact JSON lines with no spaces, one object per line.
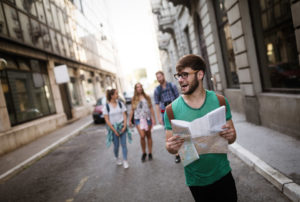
{"x":115,"y":118}
{"x":144,"y":118}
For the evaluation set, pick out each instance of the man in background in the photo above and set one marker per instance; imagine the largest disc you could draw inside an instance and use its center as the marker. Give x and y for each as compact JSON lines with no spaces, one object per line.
{"x":164,"y":94}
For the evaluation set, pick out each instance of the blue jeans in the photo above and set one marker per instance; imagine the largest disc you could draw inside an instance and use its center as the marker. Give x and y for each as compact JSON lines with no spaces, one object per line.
{"x":116,"y":140}
{"x":137,"y":122}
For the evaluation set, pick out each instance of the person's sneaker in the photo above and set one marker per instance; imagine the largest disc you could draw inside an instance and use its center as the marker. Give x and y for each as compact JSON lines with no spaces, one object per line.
{"x":150,"y":156}
{"x":177,"y":159}
{"x":144,"y":157}
{"x":125,"y":164}
{"x":119,"y":161}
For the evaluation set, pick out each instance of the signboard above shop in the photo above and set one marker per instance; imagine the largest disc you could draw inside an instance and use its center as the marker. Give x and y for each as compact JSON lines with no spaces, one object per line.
{"x":61,"y":74}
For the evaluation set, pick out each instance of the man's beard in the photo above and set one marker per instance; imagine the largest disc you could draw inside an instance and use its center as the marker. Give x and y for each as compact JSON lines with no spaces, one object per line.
{"x":193,"y":86}
{"x":162,"y":81}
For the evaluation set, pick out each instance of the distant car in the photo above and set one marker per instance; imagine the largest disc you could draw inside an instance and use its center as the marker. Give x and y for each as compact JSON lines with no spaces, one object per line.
{"x":128,"y":96}
{"x":98,"y":110}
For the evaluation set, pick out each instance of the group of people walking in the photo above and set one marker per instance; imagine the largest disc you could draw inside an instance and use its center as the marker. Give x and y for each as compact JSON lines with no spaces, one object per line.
{"x":142,"y":114}
{"x":209,"y":178}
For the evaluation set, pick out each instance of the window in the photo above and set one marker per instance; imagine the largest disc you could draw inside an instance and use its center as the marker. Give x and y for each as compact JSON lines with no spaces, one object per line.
{"x":276,"y":45}
{"x":187,"y":40}
{"x":88,"y":87}
{"x":203,"y":49}
{"x":73,"y":87}
{"x":26,"y":89}
{"x":226,"y":44}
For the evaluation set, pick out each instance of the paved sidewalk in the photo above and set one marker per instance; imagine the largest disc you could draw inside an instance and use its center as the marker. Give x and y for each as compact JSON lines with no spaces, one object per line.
{"x":274,"y":155}
{"x":19,"y":159}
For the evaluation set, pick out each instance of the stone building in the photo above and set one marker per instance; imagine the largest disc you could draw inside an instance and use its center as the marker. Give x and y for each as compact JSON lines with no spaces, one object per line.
{"x":251,"y":48}
{"x":36,"y":39}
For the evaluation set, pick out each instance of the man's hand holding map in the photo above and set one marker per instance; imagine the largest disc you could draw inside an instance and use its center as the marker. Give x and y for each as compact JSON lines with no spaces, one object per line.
{"x":201,"y":135}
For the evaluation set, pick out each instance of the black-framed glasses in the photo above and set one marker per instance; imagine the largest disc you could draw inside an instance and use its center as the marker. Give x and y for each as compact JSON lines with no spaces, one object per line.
{"x":184,"y":75}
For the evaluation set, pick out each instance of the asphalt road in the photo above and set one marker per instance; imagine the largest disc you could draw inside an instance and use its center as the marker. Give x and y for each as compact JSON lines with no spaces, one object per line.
{"x":83,"y":169}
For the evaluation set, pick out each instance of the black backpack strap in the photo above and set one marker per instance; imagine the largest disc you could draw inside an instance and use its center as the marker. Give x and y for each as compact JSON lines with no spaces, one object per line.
{"x":107,"y":107}
{"x":159,"y":88}
{"x":172,"y":89}
{"x":120,"y":104}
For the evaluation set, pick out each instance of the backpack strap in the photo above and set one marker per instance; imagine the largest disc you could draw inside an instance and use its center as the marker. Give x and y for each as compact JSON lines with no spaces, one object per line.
{"x":221,"y":100}
{"x":120,"y":104}
{"x":170,"y":113}
{"x":107,"y":107}
{"x":159,"y":88}
{"x":172,"y":89}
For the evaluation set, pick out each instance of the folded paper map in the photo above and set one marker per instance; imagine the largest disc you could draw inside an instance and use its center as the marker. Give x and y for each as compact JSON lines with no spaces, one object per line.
{"x":201,"y":135}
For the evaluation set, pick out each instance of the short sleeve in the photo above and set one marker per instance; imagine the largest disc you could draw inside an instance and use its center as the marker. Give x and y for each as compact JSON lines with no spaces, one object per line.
{"x":168,"y":125}
{"x":228,"y":111}
{"x":105,"y":112}
{"x":123,"y":107}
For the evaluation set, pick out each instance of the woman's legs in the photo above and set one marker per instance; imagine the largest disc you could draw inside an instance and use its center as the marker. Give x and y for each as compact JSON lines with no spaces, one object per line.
{"x":142,"y":139}
{"x":116,"y":145}
{"x":149,"y":141}
{"x":124,"y":146}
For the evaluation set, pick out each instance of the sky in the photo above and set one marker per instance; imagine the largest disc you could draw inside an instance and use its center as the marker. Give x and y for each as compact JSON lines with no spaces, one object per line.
{"x":135,"y":36}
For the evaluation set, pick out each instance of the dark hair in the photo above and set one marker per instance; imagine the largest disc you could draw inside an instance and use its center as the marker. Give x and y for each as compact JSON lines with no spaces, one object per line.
{"x":160,"y":72}
{"x":193,"y":61}
{"x":109,"y":94}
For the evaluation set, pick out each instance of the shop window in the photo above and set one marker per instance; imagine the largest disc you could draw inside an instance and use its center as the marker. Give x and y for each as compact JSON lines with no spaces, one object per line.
{"x":226,"y":44}
{"x":276,"y":45}
{"x":73,"y":87}
{"x":26,"y":89}
{"x":88,"y":87}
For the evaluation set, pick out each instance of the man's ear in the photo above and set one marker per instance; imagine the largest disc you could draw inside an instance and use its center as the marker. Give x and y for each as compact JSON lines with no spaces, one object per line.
{"x":200,"y":75}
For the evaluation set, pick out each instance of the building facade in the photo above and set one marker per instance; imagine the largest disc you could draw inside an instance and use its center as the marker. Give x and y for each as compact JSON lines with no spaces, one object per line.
{"x":251,"y":48}
{"x":35,"y":38}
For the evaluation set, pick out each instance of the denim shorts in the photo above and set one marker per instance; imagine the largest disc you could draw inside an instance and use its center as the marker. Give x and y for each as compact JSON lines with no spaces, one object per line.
{"x":137,"y":122}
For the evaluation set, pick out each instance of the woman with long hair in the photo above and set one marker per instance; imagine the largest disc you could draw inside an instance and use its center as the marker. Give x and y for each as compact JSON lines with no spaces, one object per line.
{"x":144,"y":118}
{"x":115,"y":117}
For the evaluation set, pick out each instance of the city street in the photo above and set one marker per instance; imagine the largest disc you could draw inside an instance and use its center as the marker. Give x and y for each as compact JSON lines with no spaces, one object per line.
{"x":83,"y":169}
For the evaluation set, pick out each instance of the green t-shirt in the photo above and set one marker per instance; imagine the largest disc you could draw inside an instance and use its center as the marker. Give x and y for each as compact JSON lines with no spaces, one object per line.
{"x":209,"y":167}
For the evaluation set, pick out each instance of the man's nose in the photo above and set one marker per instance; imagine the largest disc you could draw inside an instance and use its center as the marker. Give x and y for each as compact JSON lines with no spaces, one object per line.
{"x":180,"y":78}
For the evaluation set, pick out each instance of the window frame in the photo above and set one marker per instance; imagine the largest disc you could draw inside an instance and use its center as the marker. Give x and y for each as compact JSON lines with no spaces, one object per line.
{"x":223,"y":42}
{"x":261,"y":51}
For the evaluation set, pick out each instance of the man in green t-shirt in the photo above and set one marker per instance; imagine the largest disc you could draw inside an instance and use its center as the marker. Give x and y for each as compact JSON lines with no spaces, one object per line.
{"x":209,"y":178}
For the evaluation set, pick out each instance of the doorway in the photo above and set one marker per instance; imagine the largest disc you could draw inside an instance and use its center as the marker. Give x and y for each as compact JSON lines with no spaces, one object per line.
{"x":66,"y":100}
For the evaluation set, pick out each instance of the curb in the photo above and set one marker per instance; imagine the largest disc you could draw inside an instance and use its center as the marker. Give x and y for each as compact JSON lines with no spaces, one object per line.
{"x":40,"y":154}
{"x":280,"y":181}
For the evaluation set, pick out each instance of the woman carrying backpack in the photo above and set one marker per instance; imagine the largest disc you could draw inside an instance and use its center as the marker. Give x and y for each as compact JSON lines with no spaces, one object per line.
{"x":115,"y":117}
{"x":144,"y":118}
